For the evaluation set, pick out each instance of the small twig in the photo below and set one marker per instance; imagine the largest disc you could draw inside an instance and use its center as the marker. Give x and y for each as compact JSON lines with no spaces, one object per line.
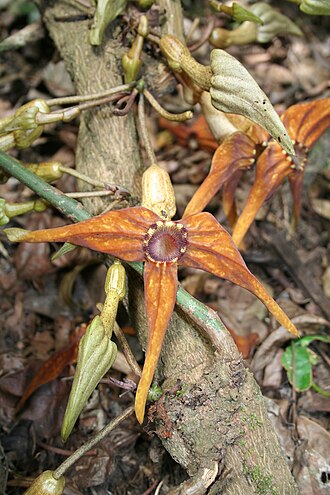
{"x":127,"y":384}
{"x":83,"y":177}
{"x":64,"y":452}
{"x":192,"y":29}
{"x":152,"y":487}
{"x":70,"y":113}
{"x":130,"y":358}
{"x":112,"y":205}
{"x":144,"y":131}
{"x":157,"y":492}
{"x":128,"y":100}
{"x":90,"y":194}
{"x":205,"y":36}
{"x":294,"y":391}
{"x":94,"y":96}
{"x":155,"y":38}
{"x":62,"y":468}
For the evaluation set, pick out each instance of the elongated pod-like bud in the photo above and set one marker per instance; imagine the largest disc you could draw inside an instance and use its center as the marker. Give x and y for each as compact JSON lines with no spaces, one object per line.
{"x":158,"y":192}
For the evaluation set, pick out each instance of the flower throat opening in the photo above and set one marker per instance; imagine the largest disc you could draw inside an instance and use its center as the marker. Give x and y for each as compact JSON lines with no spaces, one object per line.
{"x":165,"y":242}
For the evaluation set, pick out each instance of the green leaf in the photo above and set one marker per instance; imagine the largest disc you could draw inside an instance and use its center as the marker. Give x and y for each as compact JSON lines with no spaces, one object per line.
{"x":299,"y":369}
{"x":308,"y":339}
{"x":234,"y":90}
{"x":106,"y":12}
{"x":315,"y":7}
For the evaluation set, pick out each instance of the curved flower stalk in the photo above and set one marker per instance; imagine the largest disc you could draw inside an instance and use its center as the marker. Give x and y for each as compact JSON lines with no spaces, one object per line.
{"x":230,"y":86}
{"x":305,"y":122}
{"x":140,"y":234}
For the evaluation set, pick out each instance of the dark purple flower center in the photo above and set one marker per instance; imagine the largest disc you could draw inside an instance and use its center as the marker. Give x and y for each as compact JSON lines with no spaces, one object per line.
{"x":165,"y":242}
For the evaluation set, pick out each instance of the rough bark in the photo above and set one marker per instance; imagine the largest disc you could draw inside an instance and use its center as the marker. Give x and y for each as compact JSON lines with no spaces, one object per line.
{"x":216,"y":426}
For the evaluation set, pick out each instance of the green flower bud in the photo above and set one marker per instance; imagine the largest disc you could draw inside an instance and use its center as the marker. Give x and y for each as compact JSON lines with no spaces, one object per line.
{"x":48,"y":171}
{"x":11,"y":210}
{"x":131,"y":61}
{"x":95,"y":357}
{"x":24,"y":124}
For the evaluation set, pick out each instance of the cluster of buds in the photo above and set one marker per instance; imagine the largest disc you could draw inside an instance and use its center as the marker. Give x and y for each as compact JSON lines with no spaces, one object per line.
{"x":23,"y":128}
{"x":27,"y":123}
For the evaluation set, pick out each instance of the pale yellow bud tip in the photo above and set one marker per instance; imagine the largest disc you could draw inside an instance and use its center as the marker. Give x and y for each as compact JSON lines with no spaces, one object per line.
{"x":46,"y":484}
{"x":15,"y":235}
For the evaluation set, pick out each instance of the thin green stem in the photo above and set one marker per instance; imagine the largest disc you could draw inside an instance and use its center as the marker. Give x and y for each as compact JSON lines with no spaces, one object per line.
{"x":320,"y":390}
{"x":62,"y":468}
{"x":126,"y":349}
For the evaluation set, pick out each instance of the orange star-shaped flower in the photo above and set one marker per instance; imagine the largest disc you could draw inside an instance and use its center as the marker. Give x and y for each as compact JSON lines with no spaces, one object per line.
{"x":305,"y":123}
{"x":139,"y":234}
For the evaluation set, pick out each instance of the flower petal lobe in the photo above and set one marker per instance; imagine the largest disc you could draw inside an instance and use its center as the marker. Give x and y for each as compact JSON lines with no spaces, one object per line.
{"x":160,"y":285}
{"x":212,"y":249}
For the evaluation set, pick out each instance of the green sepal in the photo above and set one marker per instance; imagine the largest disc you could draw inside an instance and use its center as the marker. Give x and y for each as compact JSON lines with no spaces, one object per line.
{"x":106,"y":12}
{"x":240,"y":14}
{"x":65,"y":249}
{"x":95,"y":357}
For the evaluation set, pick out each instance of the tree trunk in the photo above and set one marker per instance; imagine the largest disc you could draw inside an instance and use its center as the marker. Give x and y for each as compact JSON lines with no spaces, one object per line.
{"x":216,"y":426}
